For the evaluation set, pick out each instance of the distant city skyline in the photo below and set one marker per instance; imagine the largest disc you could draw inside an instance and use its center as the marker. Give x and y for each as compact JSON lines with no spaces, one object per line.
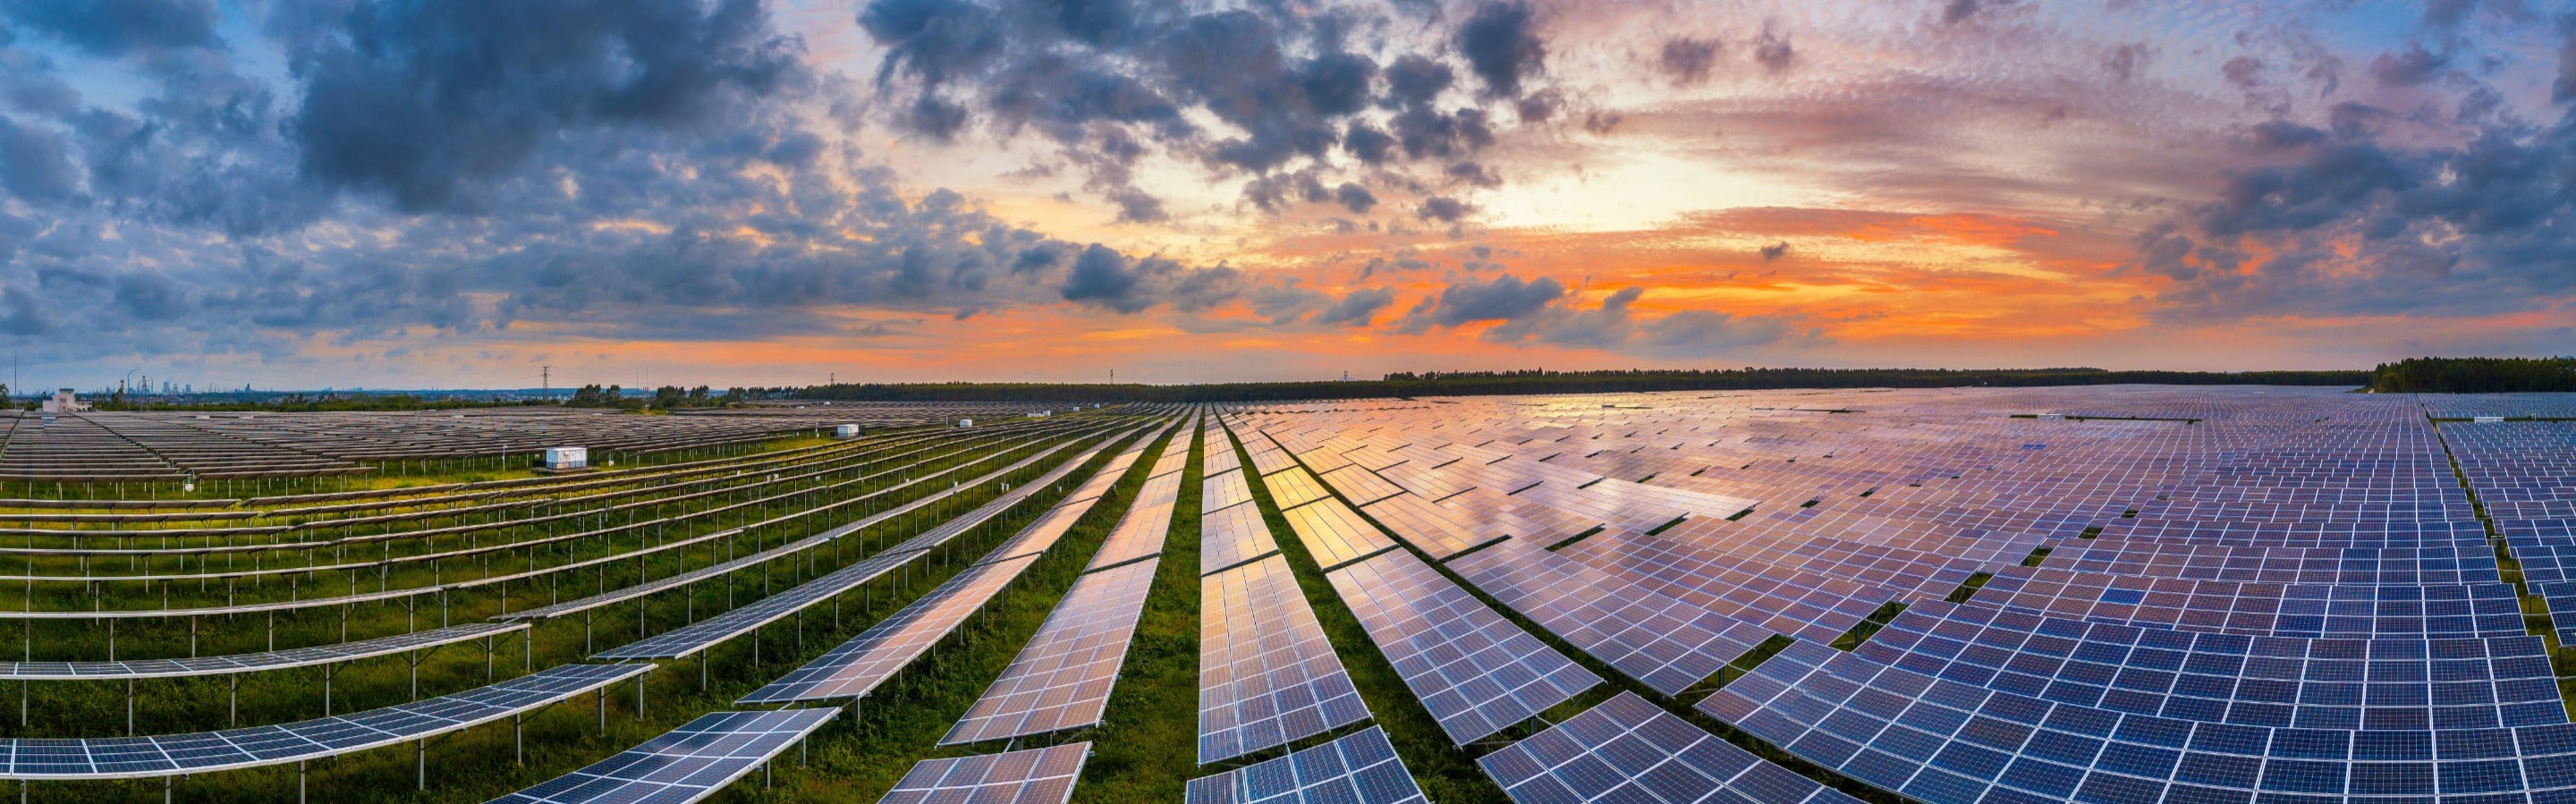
{"x":404,"y":194}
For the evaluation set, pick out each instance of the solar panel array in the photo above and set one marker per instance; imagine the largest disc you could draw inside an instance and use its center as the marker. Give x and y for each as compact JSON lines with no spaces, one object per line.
{"x":2056,"y":594}
{"x":682,"y":765}
{"x":1032,"y":776}
{"x":1359,"y":769}
{"x":1267,"y":675}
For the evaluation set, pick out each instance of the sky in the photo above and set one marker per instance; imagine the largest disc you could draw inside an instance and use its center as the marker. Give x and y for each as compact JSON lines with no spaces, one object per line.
{"x":465,"y":193}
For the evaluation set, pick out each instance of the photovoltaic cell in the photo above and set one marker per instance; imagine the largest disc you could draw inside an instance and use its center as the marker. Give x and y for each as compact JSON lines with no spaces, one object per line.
{"x":1474,"y":670}
{"x":1359,"y":769}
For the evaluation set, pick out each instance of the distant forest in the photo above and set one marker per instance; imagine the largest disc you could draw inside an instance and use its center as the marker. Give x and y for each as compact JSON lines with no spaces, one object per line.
{"x":2474,"y":375}
{"x":1478,"y":383}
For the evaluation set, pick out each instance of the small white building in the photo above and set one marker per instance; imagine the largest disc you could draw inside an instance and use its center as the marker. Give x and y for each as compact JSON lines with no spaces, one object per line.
{"x":63,"y":402}
{"x":965,"y":423}
{"x":564,"y":458}
{"x":845,"y":431}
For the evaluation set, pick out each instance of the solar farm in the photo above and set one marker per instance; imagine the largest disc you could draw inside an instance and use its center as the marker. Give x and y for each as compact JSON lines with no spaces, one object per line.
{"x":2099,"y":594}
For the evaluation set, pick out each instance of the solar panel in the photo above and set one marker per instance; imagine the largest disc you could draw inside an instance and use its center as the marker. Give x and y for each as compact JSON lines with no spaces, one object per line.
{"x":205,"y":752}
{"x":1270,"y":460}
{"x":683,"y":765}
{"x":1031,"y":776}
{"x":1654,"y":638}
{"x":1217,"y":454}
{"x":1474,"y":670}
{"x":254,"y":662}
{"x":1233,"y":535}
{"x":858,"y":666}
{"x":1219,"y":491}
{"x":1628,"y":750}
{"x":1334,"y":534}
{"x":1361,"y":486}
{"x":1063,"y":678}
{"x":1293,"y":487}
{"x":1267,"y":675}
{"x":1141,"y":530}
{"x":1359,"y":769}
{"x":1435,"y":530}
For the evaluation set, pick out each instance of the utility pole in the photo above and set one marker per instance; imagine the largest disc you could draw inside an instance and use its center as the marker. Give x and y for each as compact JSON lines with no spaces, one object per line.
{"x":546,"y":380}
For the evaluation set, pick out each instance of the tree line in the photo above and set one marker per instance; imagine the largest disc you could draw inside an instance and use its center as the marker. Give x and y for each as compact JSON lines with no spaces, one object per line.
{"x":1540,"y":381}
{"x":2469,"y":375}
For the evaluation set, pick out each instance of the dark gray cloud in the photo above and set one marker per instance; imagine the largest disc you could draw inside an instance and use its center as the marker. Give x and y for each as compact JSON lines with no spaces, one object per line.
{"x":413,"y":98}
{"x":2127,"y":61}
{"x":1355,"y":198}
{"x":117,"y":27}
{"x":1775,"y":251}
{"x":1502,"y":298}
{"x":1358,"y":308}
{"x":1773,"y":52}
{"x":2564,"y":89}
{"x":1442,"y":208}
{"x":2353,"y":224}
{"x":1250,"y":92}
{"x":1544,"y":312}
{"x":1688,"y":60}
{"x":35,"y":164}
{"x":2408,"y":67}
{"x":1501,"y":44}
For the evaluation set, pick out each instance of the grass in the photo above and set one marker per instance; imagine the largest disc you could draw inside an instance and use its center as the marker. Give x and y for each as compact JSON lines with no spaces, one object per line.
{"x":1152,"y":718}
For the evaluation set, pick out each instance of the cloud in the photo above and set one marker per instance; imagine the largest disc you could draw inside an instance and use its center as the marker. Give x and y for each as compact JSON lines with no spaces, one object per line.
{"x":414,"y":99}
{"x":1246,"y":92}
{"x":34,"y":163}
{"x":1772,"y":50}
{"x":1687,"y":60}
{"x":112,"y":28}
{"x":1442,"y":208}
{"x":1502,"y":47}
{"x":1532,"y":314}
{"x":1356,"y":309}
{"x":1355,"y":198}
{"x":2564,"y":88}
{"x":2126,"y":62}
{"x":1502,"y":298}
{"x":1775,"y":251}
{"x":2409,"y":67}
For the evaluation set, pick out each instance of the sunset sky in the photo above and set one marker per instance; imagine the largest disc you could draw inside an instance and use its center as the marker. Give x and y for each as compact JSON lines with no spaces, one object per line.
{"x":444,"y":193}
